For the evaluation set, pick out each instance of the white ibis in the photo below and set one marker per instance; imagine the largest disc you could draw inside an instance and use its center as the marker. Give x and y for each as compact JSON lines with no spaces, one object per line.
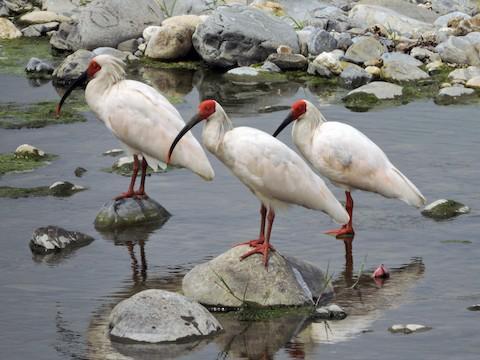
{"x":348,"y":158}
{"x":274,"y":173}
{"x":140,"y":117}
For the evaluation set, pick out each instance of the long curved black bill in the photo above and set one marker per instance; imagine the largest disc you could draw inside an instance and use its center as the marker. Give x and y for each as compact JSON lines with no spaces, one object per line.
{"x":284,"y":124}
{"x":193,"y":121}
{"x":77,"y":83}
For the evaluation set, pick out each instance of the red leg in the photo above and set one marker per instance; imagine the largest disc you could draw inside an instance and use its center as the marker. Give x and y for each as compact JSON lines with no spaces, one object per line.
{"x":261,"y":236}
{"x":347,"y":229}
{"x":130,"y":193}
{"x":264,"y":247}
{"x":141,"y":190}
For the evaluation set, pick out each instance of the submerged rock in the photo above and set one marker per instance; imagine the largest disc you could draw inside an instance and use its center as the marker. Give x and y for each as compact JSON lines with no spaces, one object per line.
{"x":52,"y":238}
{"x":475,"y":307}
{"x":130,"y":212}
{"x":39,"y":68}
{"x":444,"y":209}
{"x":454,"y":95}
{"x":286,"y":281}
{"x":241,"y":35}
{"x":156,"y":316}
{"x":64,"y":188}
{"x":26,"y":151}
{"x":366,"y":96}
{"x":330,"y":312}
{"x":79,"y":171}
{"x":113,"y":152}
{"x":408,"y":329}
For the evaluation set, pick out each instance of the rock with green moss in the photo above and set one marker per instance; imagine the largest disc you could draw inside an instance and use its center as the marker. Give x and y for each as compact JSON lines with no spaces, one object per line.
{"x":455,"y":95}
{"x":37,"y":115}
{"x":64,"y":188}
{"x":444,"y":209}
{"x":26,"y":151}
{"x":228,"y":282}
{"x":367,"y":96}
{"x":59,"y":189}
{"x":130,"y":212}
{"x":49,"y":239}
{"x":23,"y":161}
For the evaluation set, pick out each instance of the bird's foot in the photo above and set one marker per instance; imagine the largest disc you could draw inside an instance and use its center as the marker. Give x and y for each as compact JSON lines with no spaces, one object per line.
{"x":263,"y":248}
{"x":125,"y":195}
{"x":251,"y":243}
{"x":344,"y":232}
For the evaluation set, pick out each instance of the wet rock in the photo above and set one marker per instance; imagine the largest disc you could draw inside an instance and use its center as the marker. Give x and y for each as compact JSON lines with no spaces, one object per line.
{"x":270,"y":67}
{"x":460,"y":49}
{"x":41,"y":17}
{"x":354,"y":76}
{"x":72,"y":66}
{"x":442,"y":21}
{"x":79,"y":171}
{"x":475,"y":307}
{"x":408,"y":329}
{"x":113,"y":152}
{"x":289,"y":61}
{"x":156,"y":316}
{"x":454,"y":95}
{"x":444,"y":209}
{"x":107,"y":23}
{"x":130,"y":212}
{"x":39,"y":68}
{"x":330,"y":312}
{"x":465,"y":74}
{"x":8,"y":30}
{"x":52,"y":238}
{"x":367,"y":96}
{"x":446,"y":6}
{"x":474,"y":82}
{"x":364,"y":49}
{"x":170,"y":42}
{"x":39,"y":29}
{"x":241,"y":35}
{"x":286,"y":281}
{"x":364,"y":15}
{"x":401,"y":71}
{"x":26,"y":151}
{"x":64,"y":188}
{"x":321,"y":41}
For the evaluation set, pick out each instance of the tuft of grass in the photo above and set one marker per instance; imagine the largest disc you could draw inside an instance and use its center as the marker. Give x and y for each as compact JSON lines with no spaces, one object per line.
{"x":11,"y":163}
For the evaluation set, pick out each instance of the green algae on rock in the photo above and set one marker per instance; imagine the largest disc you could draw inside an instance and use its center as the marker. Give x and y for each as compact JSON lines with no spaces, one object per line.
{"x":37,"y":115}
{"x":58,"y":189}
{"x":10,"y":162}
{"x":444,"y":209}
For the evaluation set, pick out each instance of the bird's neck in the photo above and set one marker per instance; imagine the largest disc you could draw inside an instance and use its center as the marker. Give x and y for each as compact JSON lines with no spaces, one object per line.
{"x":304,"y":130}
{"x":214,"y":131}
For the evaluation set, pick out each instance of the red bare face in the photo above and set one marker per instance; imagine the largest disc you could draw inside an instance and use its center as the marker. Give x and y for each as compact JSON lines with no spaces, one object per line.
{"x":93,"y":68}
{"x":206,"y":108}
{"x":299,"y":108}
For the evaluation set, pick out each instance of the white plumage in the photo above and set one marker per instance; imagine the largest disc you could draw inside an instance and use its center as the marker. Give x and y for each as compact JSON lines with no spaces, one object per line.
{"x":347,"y":157}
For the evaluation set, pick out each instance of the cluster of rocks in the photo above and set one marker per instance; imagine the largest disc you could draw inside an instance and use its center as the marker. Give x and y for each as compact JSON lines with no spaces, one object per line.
{"x":356,"y":41}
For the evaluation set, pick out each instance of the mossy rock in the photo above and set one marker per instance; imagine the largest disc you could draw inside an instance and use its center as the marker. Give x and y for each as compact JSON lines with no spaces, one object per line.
{"x":59,"y":191}
{"x":124,"y":166}
{"x":37,"y":115}
{"x":12,"y":163}
{"x":130,"y":212}
{"x":444,"y":209}
{"x":360,"y":101}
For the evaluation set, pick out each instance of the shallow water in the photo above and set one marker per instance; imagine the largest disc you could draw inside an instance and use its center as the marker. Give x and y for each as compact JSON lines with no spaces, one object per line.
{"x":56,"y":307}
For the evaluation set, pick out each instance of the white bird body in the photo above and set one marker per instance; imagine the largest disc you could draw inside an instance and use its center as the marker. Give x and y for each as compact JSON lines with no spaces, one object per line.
{"x":349,"y":159}
{"x":268,"y":167}
{"x":142,"y":118}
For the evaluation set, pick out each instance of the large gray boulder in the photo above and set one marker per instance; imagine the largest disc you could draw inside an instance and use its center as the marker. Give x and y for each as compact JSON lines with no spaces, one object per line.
{"x":130,"y":212}
{"x":445,"y":6}
{"x":72,"y":66}
{"x":402,"y":71}
{"x":286,"y":281}
{"x":107,"y":23}
{"x":49,"y":239}
{"x":405,"y":8}
{"x":157,"y":316}
{"x":461,"y":49}
{"x":364,"y":49}
{"x":363,"y":16}
{"x":241,"y":35}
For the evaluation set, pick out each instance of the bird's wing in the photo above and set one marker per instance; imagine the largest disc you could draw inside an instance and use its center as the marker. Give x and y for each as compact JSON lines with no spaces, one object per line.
{"x":270,"y":168}
{"x":348,"y":157}
{"x":143,"y":119}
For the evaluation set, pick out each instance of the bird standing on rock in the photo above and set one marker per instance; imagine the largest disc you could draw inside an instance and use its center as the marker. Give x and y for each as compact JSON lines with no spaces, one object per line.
{"x":275,"y":174}
{"x":140,"y":117}
{"x":348,"y":158}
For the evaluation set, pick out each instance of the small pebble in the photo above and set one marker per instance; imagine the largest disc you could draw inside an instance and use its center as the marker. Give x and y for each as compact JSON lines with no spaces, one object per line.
{"x":408,"y":329}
